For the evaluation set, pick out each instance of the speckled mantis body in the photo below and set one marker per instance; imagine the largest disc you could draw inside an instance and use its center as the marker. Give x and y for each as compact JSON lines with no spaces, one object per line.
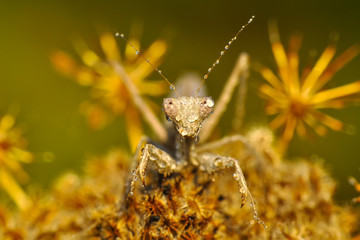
{"x":187,"y":113}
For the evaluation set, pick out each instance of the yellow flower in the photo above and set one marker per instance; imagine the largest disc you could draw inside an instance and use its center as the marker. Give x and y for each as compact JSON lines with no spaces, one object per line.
{"x":12,"y":152}
{"x":109,"y":97}
{"x":297,"y":98}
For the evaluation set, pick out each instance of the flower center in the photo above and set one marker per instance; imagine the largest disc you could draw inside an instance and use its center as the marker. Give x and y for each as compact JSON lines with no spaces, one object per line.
{"x":298,"y":108}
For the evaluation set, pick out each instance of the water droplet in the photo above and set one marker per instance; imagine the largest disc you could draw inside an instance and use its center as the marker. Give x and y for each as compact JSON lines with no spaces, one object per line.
{"x":209,"y":102}
{"x":222,"y":53}
{"x":217,"y":61}
{"x":134,"y":172}
{"x":251,"y":19}
{"x":205,"y":77}
{"x":209,"y":70}
{"x":218,"y":163}
{"x":122,"y":35}
{"x":117,"y":34}
{"x":226,"y":47}
{"x":184,"y":132}
{"x":172,"y":87}
{"x":137,"y":52}
{"x":192,"y":117}
{"x":161,"y":164}
{"x":131,"y":193}
{"x":153,"y":158}
{"x":235,"y":176}
{"x":234,"y":38}
{"x":159,"y":71}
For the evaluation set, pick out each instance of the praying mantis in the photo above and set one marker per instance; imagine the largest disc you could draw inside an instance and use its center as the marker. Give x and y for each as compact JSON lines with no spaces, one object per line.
{"x":188,"y":115}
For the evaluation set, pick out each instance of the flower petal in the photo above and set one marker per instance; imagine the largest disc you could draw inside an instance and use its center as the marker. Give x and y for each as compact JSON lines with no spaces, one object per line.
{"x":328,"y":121}
{"x":278,"y":121}
{"x":133,"y":127}
{"x":154,"y":53}
{"x":294,"y":45}
{"x":338,"y":92}
{"x":272,"y":109}
{"x":110,"y":48}
{"x":279,"y":54}
{"x":154,"y":88}
{"x":289,"y":128}
{"x":89,"y":57}
{"x":318,"y":69}
{"x":270,"y":77}
{"x":336,"y":65}
{"x":300,"y":128}
{"x":6,"y":122}
{"x":272,"y":94}
{"x":14,"y":190}
{"x":63,"y":62}
{"x":314,"y":124}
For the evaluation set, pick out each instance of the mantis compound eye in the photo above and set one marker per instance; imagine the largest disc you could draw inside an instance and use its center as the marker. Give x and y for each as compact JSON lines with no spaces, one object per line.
{"x":170,"y":108}
{"x":206,"y":107}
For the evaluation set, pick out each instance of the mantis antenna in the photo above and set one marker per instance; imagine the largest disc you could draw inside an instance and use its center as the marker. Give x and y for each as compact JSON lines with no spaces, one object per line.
{"x":172,"y":87}
{"x":217,"y":61}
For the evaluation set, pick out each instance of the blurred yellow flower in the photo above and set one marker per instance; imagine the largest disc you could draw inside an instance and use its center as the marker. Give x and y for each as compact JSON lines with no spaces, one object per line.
{"x":12,"y":152}
{"x":356,"y":185}
{"x":296,"y":99}
{"x":109,"y":97}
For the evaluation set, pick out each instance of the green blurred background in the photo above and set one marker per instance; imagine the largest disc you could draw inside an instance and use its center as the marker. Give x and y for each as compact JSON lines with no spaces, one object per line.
{"x":48,"y":102}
